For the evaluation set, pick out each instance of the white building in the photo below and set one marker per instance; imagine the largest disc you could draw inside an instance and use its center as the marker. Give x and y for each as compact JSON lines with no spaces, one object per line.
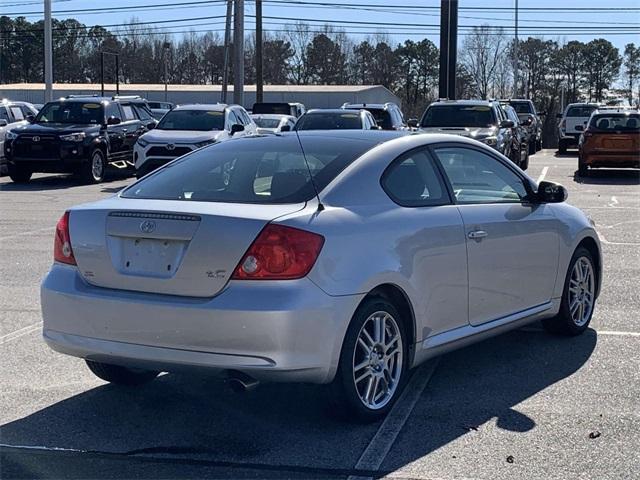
{"x":312,"y":96}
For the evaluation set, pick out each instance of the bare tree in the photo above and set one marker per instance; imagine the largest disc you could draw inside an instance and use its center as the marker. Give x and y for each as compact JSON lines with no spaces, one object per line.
{"x":483,"y":51}
{"x":299,"y":36}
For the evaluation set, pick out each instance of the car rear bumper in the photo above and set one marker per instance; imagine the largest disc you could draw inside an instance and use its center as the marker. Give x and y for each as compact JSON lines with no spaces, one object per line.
{"x":611,"y":159}
{"x":279,"y":331}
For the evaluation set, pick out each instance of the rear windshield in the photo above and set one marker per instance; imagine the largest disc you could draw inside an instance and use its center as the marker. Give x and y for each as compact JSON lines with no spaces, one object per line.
{"x":200,"y":120}
{"x":620,"y":122}
{"x":71,"y":112}
{"x":458,"y":116}
{"x":521,"y":107}
{"x":383,"y":118}
{"x":584,"y":111}
{"x":262,"y":170}
{"x":276,"y":108}
{"x":330,"y":121}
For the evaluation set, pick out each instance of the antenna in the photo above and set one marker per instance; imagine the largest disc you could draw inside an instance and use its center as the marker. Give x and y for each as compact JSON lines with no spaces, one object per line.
{"x":313,"y":183}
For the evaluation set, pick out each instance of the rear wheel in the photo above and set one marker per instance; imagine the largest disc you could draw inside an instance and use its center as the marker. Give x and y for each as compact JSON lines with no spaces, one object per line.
{"x":532,"y":146}
{"x":525,"y":161}
{"x":373,"y":362}
{"x":562,"y":147}
{"x":578,"y":297}
{"x":19,"y":174}
{"x":538,"y":145}
{"x":121,"y":375}
{"x":583,"y":169}
{"x":93,"y":171}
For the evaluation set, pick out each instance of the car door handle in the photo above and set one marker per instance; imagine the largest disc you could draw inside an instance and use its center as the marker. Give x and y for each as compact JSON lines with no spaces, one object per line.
{"x":477,"y":234}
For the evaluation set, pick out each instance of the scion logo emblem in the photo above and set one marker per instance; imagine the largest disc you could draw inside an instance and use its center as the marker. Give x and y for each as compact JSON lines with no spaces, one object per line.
{"x":36,"y":139}
{"x":170,"y":146}
{"x":147,"y":226}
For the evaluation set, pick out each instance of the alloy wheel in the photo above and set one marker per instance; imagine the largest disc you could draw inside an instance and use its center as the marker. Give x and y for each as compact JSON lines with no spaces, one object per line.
{"x":377,"y":360}
{"x":581,"y":291}
{"x":97,"y":166}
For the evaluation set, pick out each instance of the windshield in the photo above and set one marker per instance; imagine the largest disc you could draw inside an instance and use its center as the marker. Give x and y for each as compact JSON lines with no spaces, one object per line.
{"x":329,"y":121}
{"x":199,"y":120}
{"x":584,"y":111}
{"x":478,"y":116}
{"x":620,"y":122}
{"x":252,"y":170}
{"x":382,"y":117}
{"x":521,"y":107}
{"x":277,"y":108}
{"x":71,"y":112}
{"x":267,"y":122}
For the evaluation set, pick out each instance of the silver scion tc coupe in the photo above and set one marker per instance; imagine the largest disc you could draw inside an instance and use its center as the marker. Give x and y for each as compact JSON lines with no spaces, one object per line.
{"x":336,"y":257}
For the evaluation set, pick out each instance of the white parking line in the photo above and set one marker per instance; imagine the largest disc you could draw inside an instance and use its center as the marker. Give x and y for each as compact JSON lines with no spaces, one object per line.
{"x":375,"y":453}
{"x":543,"y":174}
{"x":20,"y":333}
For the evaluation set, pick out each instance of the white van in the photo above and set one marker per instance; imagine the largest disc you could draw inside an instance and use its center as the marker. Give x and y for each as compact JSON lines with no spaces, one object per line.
{"x":575,"y":114}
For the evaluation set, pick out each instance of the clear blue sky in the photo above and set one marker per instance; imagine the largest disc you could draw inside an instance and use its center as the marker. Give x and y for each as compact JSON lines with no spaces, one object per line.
{"x":560,"y":22}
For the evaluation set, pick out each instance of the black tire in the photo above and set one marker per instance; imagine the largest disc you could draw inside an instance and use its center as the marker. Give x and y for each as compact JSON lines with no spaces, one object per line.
{"x":19,"y":174}
{"x":525,"y":162}
{"x":583,"y":169}
{"x":344,"y":396}
{"x":562,"y":147}
{"x":563,"y":322}
{"x":121,"y":375}
{"x":532,"y":146}
{"x":93,"y":170}
{"x":538,"y":145}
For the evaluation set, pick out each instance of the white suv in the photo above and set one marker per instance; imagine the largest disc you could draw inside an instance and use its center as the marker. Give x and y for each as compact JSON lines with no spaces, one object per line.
{"x":576,"y":114}
{"x":12,"y":114}
{"x":187,"y":128}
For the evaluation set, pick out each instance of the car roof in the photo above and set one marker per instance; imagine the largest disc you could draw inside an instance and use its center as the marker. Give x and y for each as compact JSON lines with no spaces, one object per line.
{"x":217,"y":107}
{"x":337,"y":111}
{"x":365,"y":106}
{"x":271,"y":115}
{"x":462,"y":102}
{"x":583,"y":104}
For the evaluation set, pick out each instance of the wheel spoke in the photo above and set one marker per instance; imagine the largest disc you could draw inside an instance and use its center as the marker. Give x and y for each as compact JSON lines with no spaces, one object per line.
{"x":366,"y":374}
{"x":361,"y":365}
{"x":369,"y":341}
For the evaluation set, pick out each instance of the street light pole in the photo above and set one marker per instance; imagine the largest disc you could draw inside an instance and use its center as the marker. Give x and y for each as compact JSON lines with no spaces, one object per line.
{"x":515,"y":56}
{"x":227,"y":45}
{"x":238,"y":53}
{"x":48,"y":53}
{"x":259,"y":79}
{"x":166,"y":46}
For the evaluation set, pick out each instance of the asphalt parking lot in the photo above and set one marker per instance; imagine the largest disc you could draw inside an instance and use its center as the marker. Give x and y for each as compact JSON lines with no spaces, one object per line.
{"x":522,"y":405}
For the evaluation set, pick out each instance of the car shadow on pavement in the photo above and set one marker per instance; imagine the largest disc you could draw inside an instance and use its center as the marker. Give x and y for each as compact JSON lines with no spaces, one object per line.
{"x":571,"y":154}
{"x":55,"y":182}
{"x":197,"y":417}
{"x":602,"y":176}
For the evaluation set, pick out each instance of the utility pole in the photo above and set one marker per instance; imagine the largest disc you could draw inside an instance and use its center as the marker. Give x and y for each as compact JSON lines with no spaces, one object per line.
{"x":515,"y":57}
{"x":448,"y":48}
{"x":259,"y":79}
{"x":238,"y":53}
{"x":166,"y":47}
{"x":48,"y":53}
{"x":227,"y":45}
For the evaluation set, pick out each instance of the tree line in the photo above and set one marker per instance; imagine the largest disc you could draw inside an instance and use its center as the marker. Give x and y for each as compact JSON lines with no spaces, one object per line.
{"x":548,"y":70}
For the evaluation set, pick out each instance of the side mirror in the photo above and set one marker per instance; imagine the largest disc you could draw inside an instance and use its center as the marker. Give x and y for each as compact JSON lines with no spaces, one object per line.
{"x":285,"y":128}
{"x":236,"y":127}
{"x":412,"y":123}
{"x":30,"y":118}
{"x":151,"y":125}
{"x":113,"y":120}
{"x":551,"y":192}
{"x":3,"y":123}
{"x":558,"y":115}
{"x":374,"y":127}
{"x":506,"y":124}
{"x":579,"y":128}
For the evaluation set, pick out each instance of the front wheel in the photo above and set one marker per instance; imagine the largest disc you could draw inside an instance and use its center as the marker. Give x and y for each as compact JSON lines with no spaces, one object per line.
{"x":578,"y":297}
{"x":93,"y":171}
{"x":562,"y":147}
{"x":121,"y":375}
{"x":538,"y":145}
{"x":19,"y":174}
{"x":373,"y":362}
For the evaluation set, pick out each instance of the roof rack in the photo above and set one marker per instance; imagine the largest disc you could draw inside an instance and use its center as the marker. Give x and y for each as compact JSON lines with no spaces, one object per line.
{"x":94,"y":95}
{"x":126,"y":97}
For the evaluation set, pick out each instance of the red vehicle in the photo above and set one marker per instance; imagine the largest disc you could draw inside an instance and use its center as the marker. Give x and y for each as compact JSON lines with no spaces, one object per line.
{"x":611,"y":139}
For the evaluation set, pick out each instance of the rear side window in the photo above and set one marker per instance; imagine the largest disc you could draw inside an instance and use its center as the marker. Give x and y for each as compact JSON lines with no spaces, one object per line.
{"x":112,"y":110}
{"x":127,"y":111}
{"x":622,"y":123}
{"x":584,"y":111}
{"x":17,"y":113}
{"x":4,"y":115}
{"x":413,"y":181}
{"x":383,"y":118}
{"x":264,"y":170}
{"x":142,"y":112}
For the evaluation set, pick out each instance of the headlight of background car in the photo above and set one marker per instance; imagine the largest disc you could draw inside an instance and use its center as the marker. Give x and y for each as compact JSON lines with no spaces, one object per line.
{"x":142,"y":142}
{"x":491,"y":141}
{"x":205,"y":143}
{"x":73,"y":137}
{"x":10,"y":135}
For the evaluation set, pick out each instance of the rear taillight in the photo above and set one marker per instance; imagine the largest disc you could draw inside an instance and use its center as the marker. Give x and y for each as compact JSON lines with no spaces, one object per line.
{"x":279,"y":253}
{"x":62,"y":251}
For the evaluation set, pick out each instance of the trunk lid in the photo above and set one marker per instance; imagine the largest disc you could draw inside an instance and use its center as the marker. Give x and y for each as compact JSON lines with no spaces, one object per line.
{"x":614,"y":142}
{"x":180,"y":248}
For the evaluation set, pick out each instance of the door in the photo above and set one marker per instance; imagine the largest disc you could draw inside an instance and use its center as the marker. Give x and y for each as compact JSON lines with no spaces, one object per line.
{"x":115,"y":134}
{"x":131,"y":126}
{"x":432,"y":249}
{"x":512,"y":244}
